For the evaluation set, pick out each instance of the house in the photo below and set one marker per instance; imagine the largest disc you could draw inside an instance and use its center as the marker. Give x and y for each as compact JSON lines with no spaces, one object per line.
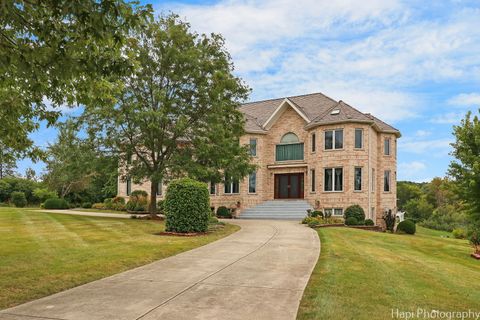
{"x":315,"y":149}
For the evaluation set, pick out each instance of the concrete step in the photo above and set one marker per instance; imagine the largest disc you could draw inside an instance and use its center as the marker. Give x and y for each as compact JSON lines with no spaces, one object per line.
{"x":277,"y":209}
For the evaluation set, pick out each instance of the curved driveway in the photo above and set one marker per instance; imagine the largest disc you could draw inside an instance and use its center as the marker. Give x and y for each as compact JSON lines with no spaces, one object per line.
{"x":259,"y":272}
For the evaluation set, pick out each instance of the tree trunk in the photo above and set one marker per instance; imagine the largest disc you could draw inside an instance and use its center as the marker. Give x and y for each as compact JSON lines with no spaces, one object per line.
{"x":152,"y":207}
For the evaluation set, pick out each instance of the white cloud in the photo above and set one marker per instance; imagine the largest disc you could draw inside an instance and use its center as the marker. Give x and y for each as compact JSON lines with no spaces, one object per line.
{"x":435,"y":147}
{"x":422,"y":133}
{"x":465,"y":99}
{"x":448,"y":118}
{"x":413,"y":171}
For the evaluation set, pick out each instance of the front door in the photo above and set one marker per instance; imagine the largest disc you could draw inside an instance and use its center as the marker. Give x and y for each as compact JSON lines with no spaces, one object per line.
{"x":289,"y":186}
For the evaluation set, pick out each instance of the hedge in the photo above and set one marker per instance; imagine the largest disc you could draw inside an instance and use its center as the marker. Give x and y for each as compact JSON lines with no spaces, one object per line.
{"x":55,"y":203}
{"x":355,"y":211}
{"x":187,"y":206}
{"x":223,"y":212}
{"x":19,"y":199}
{"x":407,"y":226}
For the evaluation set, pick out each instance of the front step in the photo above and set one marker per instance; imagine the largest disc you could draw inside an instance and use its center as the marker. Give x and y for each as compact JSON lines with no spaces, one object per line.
{"x":277,"y":209}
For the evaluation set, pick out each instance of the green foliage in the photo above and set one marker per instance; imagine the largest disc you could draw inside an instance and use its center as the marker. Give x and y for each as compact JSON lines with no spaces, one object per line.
{"x":406,"y":191}
{"x":459,"y":233}
{"x":446,"y":218}
{"x":139,"y":193}
{"x":418,"y":209}
{"x":4,"y":190}
{"x":390,"y":219}
{"x":369,"y":222}
{"x":187,"y":206}
{"x":42,"y":194}
{"x":308,"y":219}
{"x":223,"y":212}
{"x":356,"y":212}
{"x":22,"y":185}
{"x":474,"y":239}
{"x":18,"y":198}
{"x":55,"y":53}
{"x":86,"y":205}
{"x":316,"y":213}
{"x":407,"y":226}
{"x":313,"y":222}
{"x":55,"y":203}
{"x":351,"y":221}
{"x":197,"y":95}
{"x":465,"y":168}
{"x":8,"y":160}
{"x":161,"y":206}
{"x":99,"y":205}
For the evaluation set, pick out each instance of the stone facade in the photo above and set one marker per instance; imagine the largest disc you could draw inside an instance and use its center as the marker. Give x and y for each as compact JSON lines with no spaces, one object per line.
{"x":370,"y":158}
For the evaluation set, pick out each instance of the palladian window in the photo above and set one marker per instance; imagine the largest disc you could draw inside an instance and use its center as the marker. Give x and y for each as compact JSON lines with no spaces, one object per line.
{"x":289,"y":148}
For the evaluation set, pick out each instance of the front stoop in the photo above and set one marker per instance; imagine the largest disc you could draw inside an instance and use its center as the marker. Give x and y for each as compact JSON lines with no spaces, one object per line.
{"x":277,"y":209}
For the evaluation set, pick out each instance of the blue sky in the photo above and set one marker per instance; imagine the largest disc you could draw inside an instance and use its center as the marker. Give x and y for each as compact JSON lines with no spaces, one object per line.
{"x":414,"y":64}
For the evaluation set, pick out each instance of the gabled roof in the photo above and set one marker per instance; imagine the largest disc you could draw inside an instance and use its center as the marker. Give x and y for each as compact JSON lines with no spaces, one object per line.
{"x":316,"y":109}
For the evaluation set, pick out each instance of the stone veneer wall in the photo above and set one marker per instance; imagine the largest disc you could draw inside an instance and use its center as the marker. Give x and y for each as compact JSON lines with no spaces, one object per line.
{"x":372,"y":197}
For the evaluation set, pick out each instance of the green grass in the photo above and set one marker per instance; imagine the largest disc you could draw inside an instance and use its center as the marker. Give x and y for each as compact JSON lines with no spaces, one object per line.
{"x":363,"y":275}
{"x":43,"y":253}
{"x":99,"y":210}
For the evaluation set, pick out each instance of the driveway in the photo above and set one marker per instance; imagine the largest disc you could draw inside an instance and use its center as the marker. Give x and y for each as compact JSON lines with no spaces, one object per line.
{"x":259,"y":272}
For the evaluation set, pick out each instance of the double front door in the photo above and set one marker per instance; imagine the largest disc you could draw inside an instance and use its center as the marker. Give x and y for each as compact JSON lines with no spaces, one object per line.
{"x":289,"y":186}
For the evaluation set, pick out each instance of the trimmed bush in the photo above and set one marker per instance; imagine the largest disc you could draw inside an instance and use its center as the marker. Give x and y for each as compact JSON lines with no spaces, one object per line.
{"x":138,"y":201}
{"x":55,"y":203}
{"x":407,"y":226}
{"x":369,"y":222}
{"x":459,"y":233}
{"x":223,"y":212}
{"x":308,"y":220}
{"x":355,"y":211}
{"x":314,"y":222}
{"x":139,"y":193}
{"x":19,"y":199}
{"x":317,"y":213}
{"x":187,"y":206}
{"x":351,"y":221}
{"x":86,"y":205}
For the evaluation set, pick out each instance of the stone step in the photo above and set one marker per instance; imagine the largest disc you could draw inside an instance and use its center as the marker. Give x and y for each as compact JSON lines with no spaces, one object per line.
{"x":277,"y":209}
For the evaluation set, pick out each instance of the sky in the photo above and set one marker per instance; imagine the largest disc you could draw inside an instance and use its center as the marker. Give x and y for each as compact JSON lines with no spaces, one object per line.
{"x":414,"y":64}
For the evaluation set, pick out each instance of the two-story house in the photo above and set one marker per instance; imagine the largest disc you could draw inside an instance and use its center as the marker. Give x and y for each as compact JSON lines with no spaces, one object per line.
{"x":313,"y":148}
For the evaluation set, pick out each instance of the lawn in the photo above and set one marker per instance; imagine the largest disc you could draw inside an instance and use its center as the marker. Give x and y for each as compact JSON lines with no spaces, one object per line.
{"x":364,"y":275}
{"x":43,"y":253}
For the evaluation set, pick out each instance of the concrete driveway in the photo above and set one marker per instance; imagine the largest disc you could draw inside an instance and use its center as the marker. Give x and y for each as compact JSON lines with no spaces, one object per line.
{"x":259,"y":272}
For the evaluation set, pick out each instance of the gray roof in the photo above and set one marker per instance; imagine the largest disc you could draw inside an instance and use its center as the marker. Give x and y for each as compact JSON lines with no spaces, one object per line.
{"x":316,"y":107}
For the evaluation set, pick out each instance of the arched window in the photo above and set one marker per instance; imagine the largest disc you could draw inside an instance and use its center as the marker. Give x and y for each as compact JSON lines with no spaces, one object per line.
{"x":289,"y":148}
{"x":289,"y":138}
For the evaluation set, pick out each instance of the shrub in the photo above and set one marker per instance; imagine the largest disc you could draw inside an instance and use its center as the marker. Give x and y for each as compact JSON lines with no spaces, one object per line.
{"x":446,"y":218}
{"x":18,"y":198}
{"x":355,"y":211}
{"x":160,"y":206}
{"x":187,"y":206}
{"x":474,"y":239}
{"x":389,"y":219}
{"x":369,"y":222}
{"x":223,"y":212}
{"x":99,"y":205}
{"x":317,"y":213}
{"x":308,"y":220}
{"x":138,"y":201}
{"x":351,"y":221}
{"x":118,"y":200}
{"x":313,"y":223}
{"x":108,"y":202}
{"x":42,"y":194}
{"x":407,"y":226}
{"x":55,"y":203}
{"x":459,"y":233}
{"x":86,"y":205}
{"x":139,"y":193}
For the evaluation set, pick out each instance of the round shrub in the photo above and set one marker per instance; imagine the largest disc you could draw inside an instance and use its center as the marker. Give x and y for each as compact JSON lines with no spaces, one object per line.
{"x":139,"y":193}
{"x":308,"y":220}
{"x":369,"y":222}
{"x":355,"y":211}
{"x":317,"y":213}
{"x":314,"y":222}
{"x":86,"y":205}
{"x":55,"y":203}
{"x":223,"y":212}
{"x":108,"y":203}
{"x":187,"y":206}
{"x":407,"y":226}
{"x":351,"y":221}
{"x":459,"y":233}
{"x":18,"y":198}
{"x":118,"y":200}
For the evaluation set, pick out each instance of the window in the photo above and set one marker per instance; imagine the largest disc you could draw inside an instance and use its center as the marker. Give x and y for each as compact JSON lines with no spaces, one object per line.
{"x":386,"y":181}
{"x":358,"y":138}
{"x":253,"y":147}
{"x":289,"y":148}
{"x":338,"y":212}
{"x":252,"y":182}
{"x":333,"y":179}
{"x":312,"y":175}
{"x":358,"y":179}
{"x":159,"y":188}
{"x":231,"y":186}
{"x":334,"y":139}
{"x":314,"y":142}
{"x":373,"y":179}
{"x":129,"y":186}
{"x":386,"y":147}
{"x":327,"y":212}
{"x":213,"y":189}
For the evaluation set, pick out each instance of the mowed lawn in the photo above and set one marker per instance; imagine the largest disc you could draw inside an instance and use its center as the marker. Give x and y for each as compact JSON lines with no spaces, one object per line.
{"x":42,"y":253}
{"x":364,"y":275}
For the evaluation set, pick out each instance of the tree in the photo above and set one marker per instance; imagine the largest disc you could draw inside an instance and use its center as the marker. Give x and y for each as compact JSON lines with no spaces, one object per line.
{"x":60,"y":52}
{"x":465,"y":168}
{"x":178,"y":112}
{"x":418,"y":209}
{"x":406,"y":191}
{"x":8,"y":161}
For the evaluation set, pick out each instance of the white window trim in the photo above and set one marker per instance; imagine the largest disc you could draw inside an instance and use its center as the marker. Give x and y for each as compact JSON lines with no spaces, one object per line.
{"x":333,"y":139}
{"x":231,"y":188}
{"x":333,"y":211}
{"x":354,"y":137}
{"x":333,"y":179}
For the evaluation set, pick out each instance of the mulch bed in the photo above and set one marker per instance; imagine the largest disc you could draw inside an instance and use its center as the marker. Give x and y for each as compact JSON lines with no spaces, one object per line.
{"x":180,"y":234}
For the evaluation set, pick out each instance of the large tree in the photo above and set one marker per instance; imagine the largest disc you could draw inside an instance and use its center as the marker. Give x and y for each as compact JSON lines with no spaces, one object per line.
{"x":8,"y":161}
{"x":178,"y":111}
{"x":465,"y":168}
{"x":59,"y":52}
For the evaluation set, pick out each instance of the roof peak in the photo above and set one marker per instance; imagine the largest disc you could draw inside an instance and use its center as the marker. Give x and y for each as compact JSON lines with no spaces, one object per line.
{"x":289,"y":97}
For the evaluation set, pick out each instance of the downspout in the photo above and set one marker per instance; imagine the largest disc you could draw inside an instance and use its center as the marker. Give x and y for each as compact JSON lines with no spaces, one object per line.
{"x":370,"y":175}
